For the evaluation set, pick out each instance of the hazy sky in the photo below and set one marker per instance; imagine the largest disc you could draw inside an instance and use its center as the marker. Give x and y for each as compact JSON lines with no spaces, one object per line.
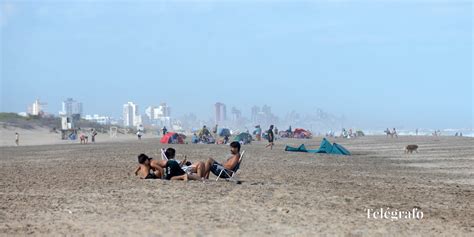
{"x":379,"y":63}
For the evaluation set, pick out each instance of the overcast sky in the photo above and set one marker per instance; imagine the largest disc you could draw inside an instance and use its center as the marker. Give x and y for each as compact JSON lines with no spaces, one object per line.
{"x":378,"y":63}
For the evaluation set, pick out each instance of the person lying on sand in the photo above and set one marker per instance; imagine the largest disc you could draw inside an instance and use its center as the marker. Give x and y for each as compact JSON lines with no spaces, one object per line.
{"x":216,"y":168}
{"x":173,"y":170}
{"x":148,"y":168}
{"x":193,"y":168}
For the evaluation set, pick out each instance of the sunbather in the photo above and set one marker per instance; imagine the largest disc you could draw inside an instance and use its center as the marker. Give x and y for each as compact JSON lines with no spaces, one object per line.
{"x":216,"y":168}
{"x":174,"y":170}
{"x":197,"y":167}
{"x":148,"y":168}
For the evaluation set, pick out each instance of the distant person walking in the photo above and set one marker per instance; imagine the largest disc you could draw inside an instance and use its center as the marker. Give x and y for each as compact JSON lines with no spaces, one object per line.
{"x":93,"y":134}
{"x":394,"y":133}
{"x":214,"y":132}
{"x":17,"y":139}
{"x":271,"y":137}
{"x":164,"y":130}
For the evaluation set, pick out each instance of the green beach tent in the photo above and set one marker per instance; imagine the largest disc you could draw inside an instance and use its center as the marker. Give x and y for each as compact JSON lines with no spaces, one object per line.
{"x":324,"y":147}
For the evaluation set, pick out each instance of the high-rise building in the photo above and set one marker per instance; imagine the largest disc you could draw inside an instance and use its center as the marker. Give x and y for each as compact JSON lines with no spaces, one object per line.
{"x":254,"y":114}
{"x":130,"y":115}
{"x":72,"y":108}
{"x":165,"y":110}
{"x":267,"y":110}
{"x":236,"y":114}
{"x":37,"y":108}
{"x":221,"y":112}
{"x":150,"y":112}
{"x":104,"y":120}
{"x":158,"y":112}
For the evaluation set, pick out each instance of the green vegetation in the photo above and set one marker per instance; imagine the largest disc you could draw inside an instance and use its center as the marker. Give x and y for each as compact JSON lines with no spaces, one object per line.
{"x":30,"y":122}
{"x":15,"y":120}
{"x":9,"y":116}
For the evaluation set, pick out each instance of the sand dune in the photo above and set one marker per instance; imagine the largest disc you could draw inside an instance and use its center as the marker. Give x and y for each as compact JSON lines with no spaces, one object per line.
{"x":73,"y":189}
{"x":43,"y":136}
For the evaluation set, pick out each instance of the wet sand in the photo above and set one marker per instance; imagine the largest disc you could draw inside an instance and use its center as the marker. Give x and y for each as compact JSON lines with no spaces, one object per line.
{"x":73,"y":189}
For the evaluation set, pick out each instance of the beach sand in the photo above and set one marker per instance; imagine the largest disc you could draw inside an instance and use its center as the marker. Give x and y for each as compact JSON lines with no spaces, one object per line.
{"x":73,"y":189}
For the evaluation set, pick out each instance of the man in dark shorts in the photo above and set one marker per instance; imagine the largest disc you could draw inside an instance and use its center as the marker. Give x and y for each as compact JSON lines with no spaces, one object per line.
{"x":271,"y":137}
{"x":216,"y":168}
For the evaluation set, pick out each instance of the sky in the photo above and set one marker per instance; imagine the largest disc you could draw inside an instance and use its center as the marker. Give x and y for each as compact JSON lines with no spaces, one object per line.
{"x":377,"y":63}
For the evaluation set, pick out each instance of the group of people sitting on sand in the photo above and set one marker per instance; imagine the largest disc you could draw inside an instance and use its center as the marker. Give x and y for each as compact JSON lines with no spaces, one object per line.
{"x":171,"y":169}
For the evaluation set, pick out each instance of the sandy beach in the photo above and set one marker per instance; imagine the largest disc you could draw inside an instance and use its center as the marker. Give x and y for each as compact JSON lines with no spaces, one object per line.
{"x":74,"y":189}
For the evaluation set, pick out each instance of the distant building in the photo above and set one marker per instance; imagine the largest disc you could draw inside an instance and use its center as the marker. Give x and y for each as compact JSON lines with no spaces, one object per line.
{"x":131,"y":116}
{"x":158,"y":115}
{"x":221,"y":112}
{"x":267,"y":110}
{"x":236,"y":114}
{"x":23,"y":114}
{"x":150,"y":112}
{"x":263,"y":115}
{"x":254,"y":114}
{"x":37,"y":108}
{"x":165,"y":110}
{"x":104,"y":120}
{"x":71,"y":108}
{"x":158,"y":112}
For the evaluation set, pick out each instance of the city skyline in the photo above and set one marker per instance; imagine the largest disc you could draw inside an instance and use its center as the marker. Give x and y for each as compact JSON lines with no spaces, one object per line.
{"x":319,"y":121}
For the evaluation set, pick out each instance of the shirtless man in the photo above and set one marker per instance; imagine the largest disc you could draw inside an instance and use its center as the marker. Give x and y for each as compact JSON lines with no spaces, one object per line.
{"x":271,"y":137}
{"x":148,"y":168}
{"x":216,"y":168}
{"x":84,"y":139}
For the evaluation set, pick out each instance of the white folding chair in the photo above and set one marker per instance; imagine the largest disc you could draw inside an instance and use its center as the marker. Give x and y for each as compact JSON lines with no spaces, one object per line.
{"x":163,"y":154}
{"x":232,"y":174}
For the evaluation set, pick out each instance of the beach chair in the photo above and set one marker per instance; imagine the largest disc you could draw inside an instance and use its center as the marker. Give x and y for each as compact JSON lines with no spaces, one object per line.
{"x":232,"y":173}
{"x":163,"y":155}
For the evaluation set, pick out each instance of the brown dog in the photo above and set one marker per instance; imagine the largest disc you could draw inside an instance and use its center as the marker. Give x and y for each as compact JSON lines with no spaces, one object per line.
{"x":411,"y":148}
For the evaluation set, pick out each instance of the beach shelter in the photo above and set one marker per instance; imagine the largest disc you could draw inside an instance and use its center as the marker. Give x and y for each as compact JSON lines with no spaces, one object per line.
{"x":324,"y":147}
{"x":244,"y":137}
{"x":301,"y":148}
{"x":168,"y":138}
{"x":302,"y":133}
{"x":224,"y":132}
{"x":340,"y":150}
